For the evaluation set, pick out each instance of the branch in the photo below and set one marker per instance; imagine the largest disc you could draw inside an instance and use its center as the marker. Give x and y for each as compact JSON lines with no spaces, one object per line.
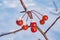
{"x":55,"y":5}
{"x":42,"y":33}
{"x":21,"y":29}
{"x":13,"y":32}
{"x":52,"y":25}
{"x":23,"y":5}
{"x":10,"y":32}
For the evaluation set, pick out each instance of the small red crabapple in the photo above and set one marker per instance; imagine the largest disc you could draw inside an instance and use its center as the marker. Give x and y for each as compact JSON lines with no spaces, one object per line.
{"x":42,"y":22}
{"x":33,"y":29}
{"x":45,"y":17}
{"x":19,"y":22}
{"x":25,"y":27}
{"x":33,"y":24}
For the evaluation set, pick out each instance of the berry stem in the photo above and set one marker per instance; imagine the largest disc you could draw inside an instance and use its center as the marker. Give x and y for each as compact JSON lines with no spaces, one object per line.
{"x":36,"y":15}
{"x":27,"y":19}
{"x":52,"y":25}
{"x":10,"y":32}
{"x":37,"y":12}
{"x":23,"y":15}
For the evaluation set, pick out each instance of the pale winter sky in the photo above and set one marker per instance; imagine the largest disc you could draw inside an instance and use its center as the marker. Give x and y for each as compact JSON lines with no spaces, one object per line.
{"x":10,"y":12}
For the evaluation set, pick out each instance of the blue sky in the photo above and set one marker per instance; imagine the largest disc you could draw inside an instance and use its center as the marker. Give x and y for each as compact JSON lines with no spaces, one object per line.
{"x":9,"y":13}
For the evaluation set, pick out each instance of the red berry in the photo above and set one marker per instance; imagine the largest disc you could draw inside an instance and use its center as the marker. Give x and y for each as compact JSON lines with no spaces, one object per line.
{"x":19,"y":22}
{"x":42,"y":22}
{"x":25,"y":27}
{"x":33,"y":29}
{"x":45,"y":17}
{"x":33,"y":24}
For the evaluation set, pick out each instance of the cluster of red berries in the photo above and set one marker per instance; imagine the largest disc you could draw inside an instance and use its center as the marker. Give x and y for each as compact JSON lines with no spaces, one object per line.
{"x":20,"y":23}
{"x":33,"y":25}
{"x":44,"y":18}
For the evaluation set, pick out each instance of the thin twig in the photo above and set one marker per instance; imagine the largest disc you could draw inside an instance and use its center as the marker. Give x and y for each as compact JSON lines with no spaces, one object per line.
{"x":55,"y":5}
{"x":22,"y":11}
{"x":36,"y":15}
{"x":27,"y":19}
{"x":13,"y":32}
{"x":52,"y":25}
{"x":37,"y":12}
{"x":23,"y":5}
{"x":23,"y":15}
{"x":42,"y":33}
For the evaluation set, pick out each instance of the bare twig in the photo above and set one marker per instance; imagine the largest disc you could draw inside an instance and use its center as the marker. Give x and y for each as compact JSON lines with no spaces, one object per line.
{"x":23,"y":15}
{"x":13,"y":32}
{"x":55,"y":5}
{"x":22,"y":11}
{"x":36,"y":15}
{"x":27,"y":19}
{"x":52,"y":25}
{"x":23,"y":5}
{"x":37,"y":12}
{"x":42,"y":33}
{"x":10,"y":32}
